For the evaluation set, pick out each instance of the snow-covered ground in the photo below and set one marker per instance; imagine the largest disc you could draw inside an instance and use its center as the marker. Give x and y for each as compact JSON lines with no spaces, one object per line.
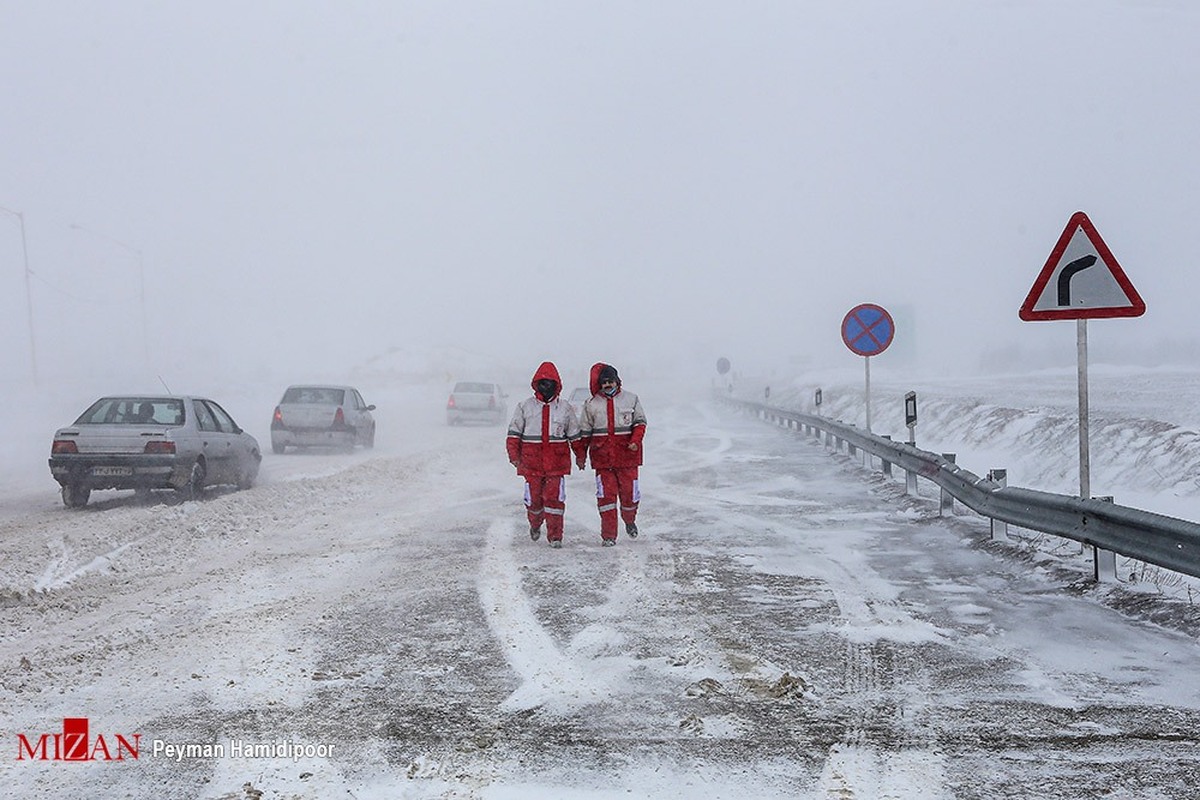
{"x":1144,"y":425}
{"x":788,"y":625}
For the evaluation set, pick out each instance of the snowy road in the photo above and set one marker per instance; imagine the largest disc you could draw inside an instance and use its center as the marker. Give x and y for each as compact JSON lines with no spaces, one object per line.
{"x":788,"y":625}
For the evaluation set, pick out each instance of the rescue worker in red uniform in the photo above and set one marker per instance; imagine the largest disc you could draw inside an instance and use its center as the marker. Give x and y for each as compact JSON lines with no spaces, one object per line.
{"x":611,"y":429}
{"x":542,"y":433}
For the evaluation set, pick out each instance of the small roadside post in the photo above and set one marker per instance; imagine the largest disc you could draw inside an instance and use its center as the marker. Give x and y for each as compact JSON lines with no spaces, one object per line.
{"x":910,"y":420}
{"x":910,"y":417}
{"x":999,"y":527}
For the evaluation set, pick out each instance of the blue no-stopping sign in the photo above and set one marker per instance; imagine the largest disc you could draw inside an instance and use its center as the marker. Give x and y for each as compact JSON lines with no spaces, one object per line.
{"x":867,"y":329}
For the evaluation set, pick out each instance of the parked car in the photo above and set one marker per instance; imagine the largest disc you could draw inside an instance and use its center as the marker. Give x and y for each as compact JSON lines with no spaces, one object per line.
{"x":322,"y":416}
{"x":579,"y":396}
{"x":477,"y":401}
{"x":152,"y":442}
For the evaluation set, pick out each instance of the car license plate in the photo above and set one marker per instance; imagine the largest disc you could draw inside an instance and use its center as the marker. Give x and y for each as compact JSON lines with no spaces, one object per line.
{"x":111,"y":472}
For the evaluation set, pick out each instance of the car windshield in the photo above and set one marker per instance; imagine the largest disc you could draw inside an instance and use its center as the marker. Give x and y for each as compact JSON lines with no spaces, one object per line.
{"x":316,"y":395}
{"x":133,"y":411}
{"x":474,"y":388}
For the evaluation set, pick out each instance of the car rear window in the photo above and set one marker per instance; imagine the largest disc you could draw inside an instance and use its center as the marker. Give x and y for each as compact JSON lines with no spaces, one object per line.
{"x":474,"y":388}
{"x":317,"y":395}
{"x":133,"y":411}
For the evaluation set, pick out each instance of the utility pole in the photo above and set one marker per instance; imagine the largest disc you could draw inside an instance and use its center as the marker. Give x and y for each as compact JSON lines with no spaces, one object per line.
{"x":28,"y":293}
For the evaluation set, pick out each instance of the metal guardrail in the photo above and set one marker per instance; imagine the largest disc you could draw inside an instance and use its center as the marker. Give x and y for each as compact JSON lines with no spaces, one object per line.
{"x":1154,"y":538}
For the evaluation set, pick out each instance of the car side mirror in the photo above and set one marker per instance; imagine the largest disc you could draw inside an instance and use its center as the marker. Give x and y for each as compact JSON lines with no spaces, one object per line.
{"x":371,"y":407}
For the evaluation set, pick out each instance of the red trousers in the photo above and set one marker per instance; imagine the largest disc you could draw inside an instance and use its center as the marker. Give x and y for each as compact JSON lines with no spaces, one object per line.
{"x":546,"y":499}
{"x":616,"y":486}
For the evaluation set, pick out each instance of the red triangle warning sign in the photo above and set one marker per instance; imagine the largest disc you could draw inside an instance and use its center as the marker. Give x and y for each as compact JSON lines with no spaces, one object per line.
{"x":1081,"y":279}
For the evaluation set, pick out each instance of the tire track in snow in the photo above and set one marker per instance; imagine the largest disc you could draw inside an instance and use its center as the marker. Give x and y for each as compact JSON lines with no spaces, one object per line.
{"x":881,"y":689}
{"x":550,"y":678}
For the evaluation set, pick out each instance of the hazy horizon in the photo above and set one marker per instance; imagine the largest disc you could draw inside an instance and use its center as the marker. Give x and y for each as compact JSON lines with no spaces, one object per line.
{"x":305,"y":188}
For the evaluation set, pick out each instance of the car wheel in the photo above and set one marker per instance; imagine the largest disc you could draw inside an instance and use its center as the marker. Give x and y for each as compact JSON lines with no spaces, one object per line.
{"x":277,"y":448}
{"x":370,"y":442}
{"x":142,"y":494}
{"x":75,"y":495}
{"x":193,"y":489}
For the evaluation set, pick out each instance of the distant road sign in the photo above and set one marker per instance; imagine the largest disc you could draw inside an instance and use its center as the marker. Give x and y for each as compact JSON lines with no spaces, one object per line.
{"x":1081,"y":279}
{"x":722,"y":365}
{"x":868,"y":329}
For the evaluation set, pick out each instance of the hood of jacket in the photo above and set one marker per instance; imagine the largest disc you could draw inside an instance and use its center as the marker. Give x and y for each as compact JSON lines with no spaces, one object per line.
{"x":594,"y":378}
{"x":546,"y":370}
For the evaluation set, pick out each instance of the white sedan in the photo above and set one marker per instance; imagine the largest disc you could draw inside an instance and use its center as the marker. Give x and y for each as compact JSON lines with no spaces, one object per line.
{"x":152,"y":442}
{"x":322,"y":416}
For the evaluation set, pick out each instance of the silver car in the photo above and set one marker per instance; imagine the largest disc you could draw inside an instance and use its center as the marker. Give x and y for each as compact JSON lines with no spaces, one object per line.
{"x":152,"y":442}
{"x":476,"y":401}
{"x":322,"y":416}
{"x":579,"y":396}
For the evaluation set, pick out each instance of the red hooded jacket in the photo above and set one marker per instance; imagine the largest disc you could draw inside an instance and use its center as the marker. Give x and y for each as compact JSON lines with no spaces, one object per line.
{"x":541,"y":435}
{"x":608,"y":424}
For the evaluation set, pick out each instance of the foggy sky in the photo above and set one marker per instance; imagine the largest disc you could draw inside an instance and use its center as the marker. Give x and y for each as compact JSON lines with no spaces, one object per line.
{"x":310,"y":184}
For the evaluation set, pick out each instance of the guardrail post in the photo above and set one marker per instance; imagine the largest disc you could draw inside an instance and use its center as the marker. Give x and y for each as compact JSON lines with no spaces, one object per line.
{"x":999,"y":527}
{"x":910,"y":482}
{"x":1104,"y":562}
{"x":884,"y":463}
{"x":946,"y":505}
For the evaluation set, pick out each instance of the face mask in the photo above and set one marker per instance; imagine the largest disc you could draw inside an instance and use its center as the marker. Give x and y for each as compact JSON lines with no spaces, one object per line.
{"x":609,"y":391}
{"x":546,"y":389}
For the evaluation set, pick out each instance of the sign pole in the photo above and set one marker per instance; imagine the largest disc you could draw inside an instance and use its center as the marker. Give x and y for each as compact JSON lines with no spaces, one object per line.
{"x":867,"y":329}
{"x":1085,"y":481}
{"x":867,"y":361}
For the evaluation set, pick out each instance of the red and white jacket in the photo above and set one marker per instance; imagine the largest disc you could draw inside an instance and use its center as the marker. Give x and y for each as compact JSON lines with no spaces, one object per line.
{"x":541,"y":435}
{"x":608,"y":424}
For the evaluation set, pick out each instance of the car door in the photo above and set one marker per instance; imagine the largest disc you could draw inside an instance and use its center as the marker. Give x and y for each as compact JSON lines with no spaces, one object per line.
{"x":362,"y":414}
{"x":214,"y":444}
{"x":240,"y":444}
